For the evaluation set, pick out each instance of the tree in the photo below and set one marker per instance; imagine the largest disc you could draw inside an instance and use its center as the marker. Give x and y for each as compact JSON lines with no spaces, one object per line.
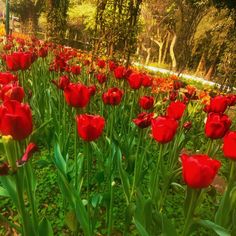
{"x":56,"y":11}
{"x":28,"y":12}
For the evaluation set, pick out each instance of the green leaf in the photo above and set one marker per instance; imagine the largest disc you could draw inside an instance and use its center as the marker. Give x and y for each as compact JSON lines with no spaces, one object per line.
{"x":3,"y":192}
{"x":59,"y":160}
{"x":142,"y":231}
{"x":71,"y":221}
{"x":211,"y":225}
{"x":124,"y":177}
{"x":45,"y":228}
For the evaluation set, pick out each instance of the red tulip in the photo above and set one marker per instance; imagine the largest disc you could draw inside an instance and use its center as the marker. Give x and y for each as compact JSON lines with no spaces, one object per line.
{"x":231,"y":100}
{"x":7,"y":77}
{"x":113,"y":96}
{"x":43,"y":52}
{"x":176,"y":109}
{"x":76,"y":69}
{"x":77,"y":95}
{"x":101,"y":78}
{"x":199,"y":171}
{"x":101,"y":63}
{"x":119,"y":72}
{"x":218,"y":104}
{"x":12,"y":92}
{"x":217,"y":125}
{"x":143,"y":120}
{"x":15,"y":119}
{"x":112,"y":65}
{"x":146,"y":102}
{"x":92,"y":90}
{"x":64,"y":81}
{"x":90,"y":127}
{"x":135,"y":80}
{"x":229,"y":146}
{"x":146,"y":81}
{"x":173,"y":95}
{"x":164,"y":129}
{"x":177,"y":84}
{"x":187,"y":125}
{"x":19,"y":61}
{"x":30,"y":150}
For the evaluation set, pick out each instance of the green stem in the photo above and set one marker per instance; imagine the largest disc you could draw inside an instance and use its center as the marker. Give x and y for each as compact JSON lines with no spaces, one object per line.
{"x":209,"y":146}
{"x":156,"y":173}
{"x":136,"y":164}
{"x":31,"y":198}
{"x":76,"y":158}
{"x":110,"y":218}
{"x":192,"y":204}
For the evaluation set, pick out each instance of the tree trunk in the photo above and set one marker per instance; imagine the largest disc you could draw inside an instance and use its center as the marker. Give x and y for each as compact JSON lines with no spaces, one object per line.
{"x":201,"y":65}
{"x":160,"y":53}
{"x":172,"y":53}
{"x":165,"y":48}
{"x":148,"y":56}
{"x":210,"y":72}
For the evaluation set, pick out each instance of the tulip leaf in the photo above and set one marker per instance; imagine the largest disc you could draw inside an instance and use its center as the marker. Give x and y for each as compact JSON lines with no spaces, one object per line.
{"x":9,"y":185}
{"x":211,"y":225}
{"x":124,"y":177}
{"x":45,"y":228}
{"x":4,"y":192}
{"x":142,"y":231}
{"x":59,"y":160}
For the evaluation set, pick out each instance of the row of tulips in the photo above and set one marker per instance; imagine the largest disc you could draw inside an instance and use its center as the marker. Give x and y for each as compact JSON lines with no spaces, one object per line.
{"x":134,"y":131}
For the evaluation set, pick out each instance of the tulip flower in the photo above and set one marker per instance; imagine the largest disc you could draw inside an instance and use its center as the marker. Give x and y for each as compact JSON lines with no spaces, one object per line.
{"x":135,"y":80}
{"x":146,"y":81}
{"x":77,"y":95}
{"x":112,"y":97}
{"x":19,"y":61}
{"x":7,"y":77}
{"x":217,"y":125}
{"x":101,"y":78}
{"x":90,"y":127}
{"x":76,"y":69}
{"x":119,"y":72}
{"x":30,"y":150}
{"x":164,"y":129}
{"x":15,"y":119}
{"x":218,"y":104}
{"x":199,"y":171}
{"x":229,"y":146}
{"x":143,"y":120}
{"x":176,"y":109}
{"x":101,"y":63}
{"x":146,"y":102}
{"x":12,"y":92}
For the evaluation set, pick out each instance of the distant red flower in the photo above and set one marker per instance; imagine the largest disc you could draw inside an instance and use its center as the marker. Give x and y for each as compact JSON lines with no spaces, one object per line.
{"x":177,"y":84}
{"x":135,"y":80}
{"x":176,"y":110}
{"x":199,"y":171}
{"x":77,"y":95}
{"x":146,"y":102}
{"x":43,"y":52}
{"x":187,"y":125}
{"x":173,"y":95}
{"x":147,"y":81}
{"x":229,"y":145}
{"x":217,"y":125}
{"x":231,"y":100}
{"x":90,"y":127}
{"x":164,"y":129}
{"x":218,"y":104}
{"x":92,"y":90}
{"x":143,"y":120}
{"x":113,"y":96}
{"x":76,"y":69}
{"x":101,"y":63}
{"x":101,"y":78}
{"x":112,"y":65}
{"x":119,"y":72}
